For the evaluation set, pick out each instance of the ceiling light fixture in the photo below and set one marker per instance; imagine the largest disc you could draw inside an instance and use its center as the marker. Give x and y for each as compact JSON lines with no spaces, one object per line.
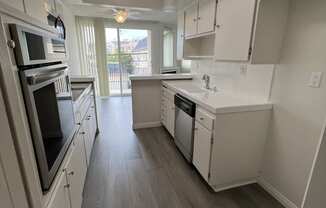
{"x":121,"y":15}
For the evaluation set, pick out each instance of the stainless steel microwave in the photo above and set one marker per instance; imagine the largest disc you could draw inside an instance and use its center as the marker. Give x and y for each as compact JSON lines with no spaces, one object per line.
{"x":35,"y":47}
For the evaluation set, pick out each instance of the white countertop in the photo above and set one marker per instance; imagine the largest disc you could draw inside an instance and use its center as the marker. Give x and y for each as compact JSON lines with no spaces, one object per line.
{"x":82,"y":78}
{"x":161,"y":76}
{"x":217,"y":102}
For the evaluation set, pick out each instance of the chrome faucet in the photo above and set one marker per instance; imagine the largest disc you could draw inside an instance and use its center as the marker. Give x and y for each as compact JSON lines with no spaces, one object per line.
{"x":206,"y":78}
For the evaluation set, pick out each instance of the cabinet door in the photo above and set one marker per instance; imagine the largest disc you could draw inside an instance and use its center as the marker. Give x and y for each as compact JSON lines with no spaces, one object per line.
{"x":191,"y":19}
{"x":234,"y":23}
{"x":170,"y":117}
{"x":60,"y":198}
{"x":86,"y":137}
{"x":17,"y":4}
{"x":36,"y":9}
{"x":206,"y":16}
{"x":180,"y":35}
{"x":76,"y":172}
{"x":202,"y":149}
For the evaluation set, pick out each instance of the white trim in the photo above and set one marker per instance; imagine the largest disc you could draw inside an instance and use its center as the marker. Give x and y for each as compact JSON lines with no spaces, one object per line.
{"x":146,"y":125}
{"x":233,"y":185}
{"x":276,"y":194}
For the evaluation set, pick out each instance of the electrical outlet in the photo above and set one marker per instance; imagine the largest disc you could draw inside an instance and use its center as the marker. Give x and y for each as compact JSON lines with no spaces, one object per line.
{"x":315,"y":79}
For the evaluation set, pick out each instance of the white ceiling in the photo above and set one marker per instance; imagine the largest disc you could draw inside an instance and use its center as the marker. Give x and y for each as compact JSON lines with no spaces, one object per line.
{"x":149,"y":10}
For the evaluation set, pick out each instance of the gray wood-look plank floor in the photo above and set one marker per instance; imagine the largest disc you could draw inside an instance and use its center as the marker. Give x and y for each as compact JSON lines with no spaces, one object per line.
{"x":144,"y":169}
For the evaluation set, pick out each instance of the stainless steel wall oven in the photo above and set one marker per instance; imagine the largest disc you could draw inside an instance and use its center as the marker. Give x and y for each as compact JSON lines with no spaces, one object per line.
{"x":48,"y":99}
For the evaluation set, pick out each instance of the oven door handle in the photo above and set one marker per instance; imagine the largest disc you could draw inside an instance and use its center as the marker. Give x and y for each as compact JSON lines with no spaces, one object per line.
{"x":45,"y":76}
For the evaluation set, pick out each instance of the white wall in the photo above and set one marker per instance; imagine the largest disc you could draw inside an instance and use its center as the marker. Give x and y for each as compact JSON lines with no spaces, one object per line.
{"x":74,"y":61}
{"x":253,"y":81}
{"x":299,"y":111}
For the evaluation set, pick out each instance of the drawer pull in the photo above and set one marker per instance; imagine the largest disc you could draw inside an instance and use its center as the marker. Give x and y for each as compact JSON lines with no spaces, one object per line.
{"x":71,"y":173}
{"x":67,"y":186}
{"x":201,"y":118}
{"x":82,"y":132}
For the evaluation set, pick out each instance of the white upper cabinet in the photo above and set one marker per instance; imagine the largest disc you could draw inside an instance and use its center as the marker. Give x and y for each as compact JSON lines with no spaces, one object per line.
{"x":206,"y":16}
{"x":200,"y":18}
{"x":250,"y":30}
{"x":17,"y":4}
{"x":234,"y":22}
{"x":36,"y":9}
{"x":191,"y":14}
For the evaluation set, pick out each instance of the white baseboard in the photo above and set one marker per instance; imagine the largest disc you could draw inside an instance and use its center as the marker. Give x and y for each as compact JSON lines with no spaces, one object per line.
{"x":225,"y":187}
{"x":146,"y":125}
{"x":276,"y":194}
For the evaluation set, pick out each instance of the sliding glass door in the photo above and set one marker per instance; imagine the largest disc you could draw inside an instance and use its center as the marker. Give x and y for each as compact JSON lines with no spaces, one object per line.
{"x":127,"y":53}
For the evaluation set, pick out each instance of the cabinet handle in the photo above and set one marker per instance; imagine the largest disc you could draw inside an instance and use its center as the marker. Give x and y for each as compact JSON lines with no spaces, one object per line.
{"x":71,"y":173}
{"x":218,"y":26}
{"x":82,"y":132}
{"x":11,"y":44}
{"x":79,"y":123}
{"x":201,"y":118}
{"x":195,"y":20}
{"x":199,"y":18}
{"x":67,"y":186}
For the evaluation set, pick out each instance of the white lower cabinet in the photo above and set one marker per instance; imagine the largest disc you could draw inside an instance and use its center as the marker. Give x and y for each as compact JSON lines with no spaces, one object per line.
{"x":168,"y":110}
{"x":202,"y":149}
{"x":89,"y":127}
{"x":69,"y":185}
{"x":61,"y":197}
{"x":76,"y":171}
{"x":228,"y":147}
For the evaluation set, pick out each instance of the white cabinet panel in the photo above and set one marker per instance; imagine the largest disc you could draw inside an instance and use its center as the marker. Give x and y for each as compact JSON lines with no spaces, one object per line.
{"x":89,"y":127}
{"x":76,"y":171}
{"x":202,"y":150}
{"x":180,"y":34}
{"x":170,"y":117}
{"x":36,"y":9}
{"x":17,"y":4}
{"x":234,"y":22}
{"x":87,"y":141}
{"x":60,"y":197}
{"x":191,"y":19}
{"x":206,"y":16}
{"x":4,"y":191}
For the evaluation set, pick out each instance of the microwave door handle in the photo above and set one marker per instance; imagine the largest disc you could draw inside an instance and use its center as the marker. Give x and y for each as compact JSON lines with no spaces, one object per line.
{"x":41,"y":77}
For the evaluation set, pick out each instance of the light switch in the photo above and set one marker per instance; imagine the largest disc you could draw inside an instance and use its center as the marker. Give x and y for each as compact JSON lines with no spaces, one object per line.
{"x":315,"y":79}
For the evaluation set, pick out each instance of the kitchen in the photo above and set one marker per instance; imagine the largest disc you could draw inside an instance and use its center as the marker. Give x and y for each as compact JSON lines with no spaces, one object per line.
{"x":240,"y":124}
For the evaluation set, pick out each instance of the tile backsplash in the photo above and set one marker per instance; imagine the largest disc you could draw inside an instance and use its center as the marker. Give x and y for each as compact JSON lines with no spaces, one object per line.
{"x":237,"y":78}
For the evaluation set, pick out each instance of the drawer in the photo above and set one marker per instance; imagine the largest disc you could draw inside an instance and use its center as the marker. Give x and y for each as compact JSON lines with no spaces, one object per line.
{"x":169,"y":94}
{"x":205,"y":118}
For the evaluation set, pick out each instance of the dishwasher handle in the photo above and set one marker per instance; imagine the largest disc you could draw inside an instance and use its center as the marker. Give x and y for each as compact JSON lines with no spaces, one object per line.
{"x":185,"y":105}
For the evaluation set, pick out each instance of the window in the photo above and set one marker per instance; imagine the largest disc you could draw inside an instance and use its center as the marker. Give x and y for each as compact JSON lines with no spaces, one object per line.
{"x":168,"y":53}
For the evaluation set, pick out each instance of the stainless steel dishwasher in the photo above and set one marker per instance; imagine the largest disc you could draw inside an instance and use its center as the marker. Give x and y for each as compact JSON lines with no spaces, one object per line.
{"x":184,"y":125}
